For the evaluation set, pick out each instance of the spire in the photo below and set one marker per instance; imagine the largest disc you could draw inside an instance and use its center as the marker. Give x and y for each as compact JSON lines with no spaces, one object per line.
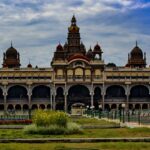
{"x":11,"y":44}
{"x":73,"y":20}
{"x":136,"y":43}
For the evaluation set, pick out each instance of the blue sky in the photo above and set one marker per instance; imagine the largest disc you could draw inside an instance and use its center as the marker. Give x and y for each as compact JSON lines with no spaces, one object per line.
{"x":37,"y":26}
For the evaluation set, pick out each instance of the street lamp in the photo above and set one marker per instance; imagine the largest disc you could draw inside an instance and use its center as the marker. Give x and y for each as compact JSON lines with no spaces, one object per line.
{"x":100,"y":110}
{"x":123,"y":107}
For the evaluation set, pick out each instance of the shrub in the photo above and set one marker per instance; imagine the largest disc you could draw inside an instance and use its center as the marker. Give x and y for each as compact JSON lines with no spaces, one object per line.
{"x":50,"y":123}
{"x":72,"y":128}
{"x":47,"y":118}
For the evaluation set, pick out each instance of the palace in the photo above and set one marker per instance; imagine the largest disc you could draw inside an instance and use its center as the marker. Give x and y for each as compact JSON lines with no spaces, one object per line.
{"x":76,"y":76}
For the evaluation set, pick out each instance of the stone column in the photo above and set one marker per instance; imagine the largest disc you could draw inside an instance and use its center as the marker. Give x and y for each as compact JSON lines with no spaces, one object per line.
{"x":5,"y":99}
{"x":92,"y":94}
{"x":92,"y":100}
{"x":65,"y":99}
{"x":103,"y":96}
{"x":51,"y":99}
{"x":29,"y":96}
{"x":127,"y":94}
{"x":54,"y":101}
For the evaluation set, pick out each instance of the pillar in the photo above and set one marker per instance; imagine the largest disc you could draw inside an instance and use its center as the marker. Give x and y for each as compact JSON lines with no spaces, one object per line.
{"x":92,"y":94}
{"x":103,"y":96}
{"x":29,"y":96}
{"x":127,"y":95}
{"x":5,"y":99}
{"x":54,"y":101}
{"x":51,"y":99}
{"x":65,"y":96}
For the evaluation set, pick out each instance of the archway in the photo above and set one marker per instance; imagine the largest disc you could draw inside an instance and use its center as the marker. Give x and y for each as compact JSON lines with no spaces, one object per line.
{"x":18,"y":107}
{"x":97,"y":97}
{"x":131,"y":106}
{"x":34,"y":107}
{"x":78,"y":94}
{"x":107,"y":107}
{"x":48,"y":106}
{"x":139,"y":91}
{"x":137,"y":106}
{"x":115,"y":91}
{"x":17,"y":92}
{"x":59,"y":98}
{"x":41,"y":92}
{"x":113,"y":106}
{"x":10,"y":107}
{"x":1,"y":95}
{"x":1,"y":107}
{"x":42,"y":106}
{"x":145,"y":106}
{"x":25,"y":107}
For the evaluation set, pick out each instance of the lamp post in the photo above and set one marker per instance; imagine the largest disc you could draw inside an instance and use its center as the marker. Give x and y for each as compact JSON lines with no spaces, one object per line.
{"x":123,"y":107}
{"x":100,"y":110}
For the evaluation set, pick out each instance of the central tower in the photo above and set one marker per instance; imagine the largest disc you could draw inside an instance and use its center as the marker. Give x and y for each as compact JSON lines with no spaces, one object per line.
{"x":74,"y":44}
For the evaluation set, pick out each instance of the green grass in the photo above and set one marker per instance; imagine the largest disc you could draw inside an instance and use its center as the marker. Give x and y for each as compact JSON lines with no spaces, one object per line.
{"x":76,"y":146}
{"x":91,"y":133}
{"x":92,"y":121}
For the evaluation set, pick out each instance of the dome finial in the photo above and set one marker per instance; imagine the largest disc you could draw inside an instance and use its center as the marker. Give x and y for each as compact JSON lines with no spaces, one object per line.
{"x":136,"y":43}
{"x":73,"y":20}
{"x":11,"y":44}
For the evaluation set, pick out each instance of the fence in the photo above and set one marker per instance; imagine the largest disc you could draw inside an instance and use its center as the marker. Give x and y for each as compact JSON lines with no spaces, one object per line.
{"x":138,"y":116}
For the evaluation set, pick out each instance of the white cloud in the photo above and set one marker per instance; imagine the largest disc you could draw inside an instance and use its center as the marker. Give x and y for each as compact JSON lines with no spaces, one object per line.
{"x":37,"y":28}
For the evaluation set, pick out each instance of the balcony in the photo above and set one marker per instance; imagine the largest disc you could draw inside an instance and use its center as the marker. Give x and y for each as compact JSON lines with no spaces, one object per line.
{"x":114,"y":100}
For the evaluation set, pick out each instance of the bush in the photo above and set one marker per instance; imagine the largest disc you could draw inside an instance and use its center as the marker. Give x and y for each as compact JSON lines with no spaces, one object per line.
{"x":72,"y":128}
{"x":51,"y":123}
{"x":47,"y":118}
{"x":54,"y":130}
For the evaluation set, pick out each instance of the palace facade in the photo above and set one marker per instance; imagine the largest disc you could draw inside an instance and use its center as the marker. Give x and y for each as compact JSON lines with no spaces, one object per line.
{"x":76,"y":76}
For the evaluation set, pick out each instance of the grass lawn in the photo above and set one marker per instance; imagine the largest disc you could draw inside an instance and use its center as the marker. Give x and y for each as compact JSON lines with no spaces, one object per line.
{"x":74,"y":146}
{"x":91,"y":133}
{"x":87,"y":133}
{"x":92,"y":121}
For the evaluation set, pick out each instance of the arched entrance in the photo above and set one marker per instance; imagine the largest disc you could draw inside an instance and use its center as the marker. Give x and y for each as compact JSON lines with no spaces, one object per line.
{"x":17,"y":92}
{"x":115,"y":91}
{"x":113,"y":106}
{"x":34,"y":107}
{"x":25,"y":107}
{"x":107,"y":107}
{"x":145,"y":106}
{"x":1,"y":107}
{"x":78,"y":94}
{"x":42,"y":106}
{"x":41,"y":92}
{"x":10,"y":107}
{"x":97,"y":97}
{"x":139,"y":91}
{"x":137,"y":106}
{"x":1,"y":95}
{"x":18,"y":107}
{"x":131,"y":106}
{"x":48,"y":106}
{"x":59,"y":98}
